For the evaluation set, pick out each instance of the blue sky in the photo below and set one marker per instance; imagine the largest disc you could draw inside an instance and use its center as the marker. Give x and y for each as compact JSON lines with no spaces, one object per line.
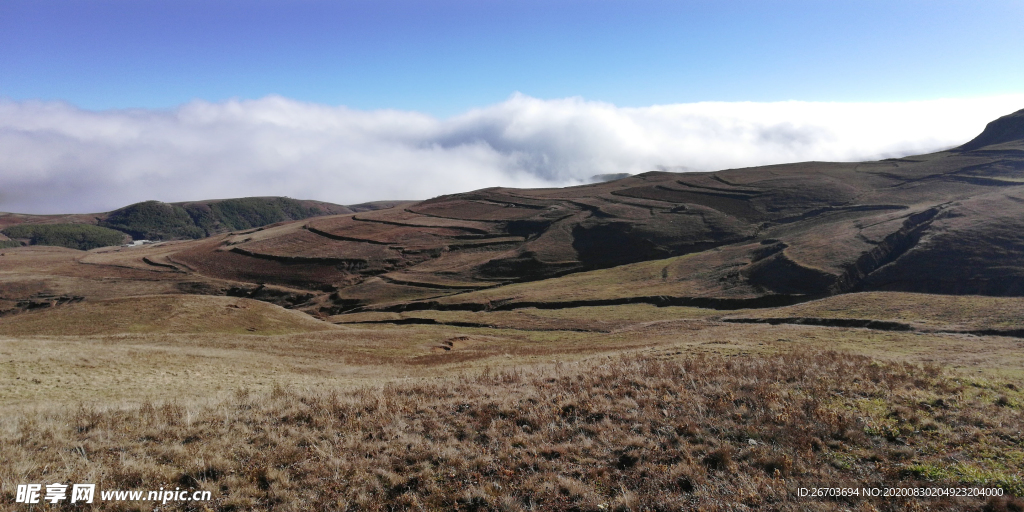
{"x":443,"y":57}
{"x":105,"y":103}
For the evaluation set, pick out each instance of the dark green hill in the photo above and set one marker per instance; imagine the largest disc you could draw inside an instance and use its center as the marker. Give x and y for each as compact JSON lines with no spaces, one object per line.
{"x":153,"y":220}
{"x":72,"y":236}
{"x":218,"y":216}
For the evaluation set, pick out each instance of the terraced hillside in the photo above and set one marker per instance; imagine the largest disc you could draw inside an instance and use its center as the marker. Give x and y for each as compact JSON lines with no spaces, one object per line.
{"x":950,"y":223}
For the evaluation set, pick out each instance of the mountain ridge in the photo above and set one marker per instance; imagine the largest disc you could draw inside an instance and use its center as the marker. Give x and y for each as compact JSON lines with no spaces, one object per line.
{"x":1009,"y":128}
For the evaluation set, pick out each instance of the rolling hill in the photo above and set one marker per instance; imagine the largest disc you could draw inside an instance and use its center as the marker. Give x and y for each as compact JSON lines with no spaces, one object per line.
{"x":154,"y":220}
{"x":669,"y":340}
{"x":950,"y":222}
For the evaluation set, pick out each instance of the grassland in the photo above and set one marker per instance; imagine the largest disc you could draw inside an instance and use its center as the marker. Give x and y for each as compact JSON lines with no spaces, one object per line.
{"x":921,"y":311}
{"x":169,"y":314}
{"x":620,"y":433}
{"x":592,"y":318}
{"x":629,"y":407}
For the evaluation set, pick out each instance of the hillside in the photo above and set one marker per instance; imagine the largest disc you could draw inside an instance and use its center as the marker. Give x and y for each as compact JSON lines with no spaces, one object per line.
{"x":154,"y":220}
{"x":622,"y":434}
{"x":73,"y":236}
{"x":949,"y":223}
{"x":180,"y":314}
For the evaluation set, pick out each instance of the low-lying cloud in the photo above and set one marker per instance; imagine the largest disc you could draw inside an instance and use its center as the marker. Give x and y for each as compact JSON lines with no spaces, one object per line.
{"x":57,"y":158}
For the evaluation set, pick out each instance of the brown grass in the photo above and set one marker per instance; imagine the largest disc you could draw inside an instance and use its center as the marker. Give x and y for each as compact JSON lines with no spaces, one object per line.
{"x":590,"y":318}
{"x":303,"y":415}
{"x":632,"y":433}
{"x":924,"y":311}
{"x":149,"y":364}
{"x":180,"y":314}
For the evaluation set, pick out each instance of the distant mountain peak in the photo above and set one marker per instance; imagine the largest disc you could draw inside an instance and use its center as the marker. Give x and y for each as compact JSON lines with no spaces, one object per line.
{"x":1008,"y":128}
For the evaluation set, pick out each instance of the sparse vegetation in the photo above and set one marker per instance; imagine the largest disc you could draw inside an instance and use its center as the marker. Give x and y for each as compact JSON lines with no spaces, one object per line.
{"x":72,"y":236}
{"x":630,"y":433}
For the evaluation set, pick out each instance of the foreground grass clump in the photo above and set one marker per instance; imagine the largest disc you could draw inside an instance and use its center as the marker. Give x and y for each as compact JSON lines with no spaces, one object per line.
{"x":713,"y":433}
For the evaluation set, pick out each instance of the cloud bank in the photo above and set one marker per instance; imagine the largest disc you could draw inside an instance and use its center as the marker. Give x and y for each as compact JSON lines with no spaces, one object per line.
{"x":57,"y":158}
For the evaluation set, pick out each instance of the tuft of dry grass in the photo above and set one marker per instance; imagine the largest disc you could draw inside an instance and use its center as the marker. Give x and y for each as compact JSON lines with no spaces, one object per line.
{"x":622,"y":433}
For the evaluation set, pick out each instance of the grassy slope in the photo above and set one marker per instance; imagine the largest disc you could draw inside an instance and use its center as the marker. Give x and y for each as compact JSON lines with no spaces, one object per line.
{"x":621,"y":434}
{"x":632,"y":280}
{"x":179,"y":314}
{"x":668,"y":425}
{"x":947,"y":312}
{"x":591,"y":318}
{"x":48,"y":369}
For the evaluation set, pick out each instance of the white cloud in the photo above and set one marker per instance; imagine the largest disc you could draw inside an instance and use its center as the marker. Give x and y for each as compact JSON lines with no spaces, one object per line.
{"x":55,"y":157}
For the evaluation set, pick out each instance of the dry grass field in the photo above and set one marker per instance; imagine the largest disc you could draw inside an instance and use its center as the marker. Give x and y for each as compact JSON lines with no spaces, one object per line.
{"x":915,"y":310}
{"x":629,"y":407}
{"x":612,"y":433}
